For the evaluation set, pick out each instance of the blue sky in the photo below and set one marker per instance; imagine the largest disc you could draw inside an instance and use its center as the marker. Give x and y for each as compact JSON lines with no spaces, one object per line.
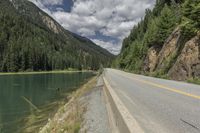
{"x":66,"y":6}
{"x":105,"y":22}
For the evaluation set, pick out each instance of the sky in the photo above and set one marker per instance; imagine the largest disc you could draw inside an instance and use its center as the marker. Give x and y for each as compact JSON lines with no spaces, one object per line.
{"x":105,"y":22}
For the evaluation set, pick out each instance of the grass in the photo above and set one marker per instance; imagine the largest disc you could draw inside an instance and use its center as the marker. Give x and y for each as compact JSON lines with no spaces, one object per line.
{"x":194,"y":80}
{"x":69,"y":118}
{"x":158,"y":74}
{"x":37,"y":118}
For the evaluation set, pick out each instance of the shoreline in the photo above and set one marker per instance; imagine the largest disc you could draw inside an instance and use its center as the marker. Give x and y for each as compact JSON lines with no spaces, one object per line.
{"x":50,"y":115}
{"x":69,"y":116}
{"x":43,"y":72}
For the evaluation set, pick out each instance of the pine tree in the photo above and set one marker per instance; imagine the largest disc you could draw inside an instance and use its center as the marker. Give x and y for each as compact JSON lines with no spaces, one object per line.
{"x":166,"y":23}
{"x":151,"y":36}
{"x":191,"y":18}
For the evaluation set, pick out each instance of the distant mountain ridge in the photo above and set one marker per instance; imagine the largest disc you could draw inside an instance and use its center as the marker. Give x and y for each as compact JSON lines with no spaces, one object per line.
{"x":30,"y":40}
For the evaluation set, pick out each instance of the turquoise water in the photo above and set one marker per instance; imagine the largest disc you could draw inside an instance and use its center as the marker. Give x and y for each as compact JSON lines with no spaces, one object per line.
{"x":20,"y":94}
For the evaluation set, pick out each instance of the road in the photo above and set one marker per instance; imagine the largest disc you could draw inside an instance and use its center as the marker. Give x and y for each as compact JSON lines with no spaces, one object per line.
{"x":158,"y":105}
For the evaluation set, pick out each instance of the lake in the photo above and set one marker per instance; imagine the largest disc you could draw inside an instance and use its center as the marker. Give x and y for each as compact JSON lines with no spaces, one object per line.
{"x":28,"y":100}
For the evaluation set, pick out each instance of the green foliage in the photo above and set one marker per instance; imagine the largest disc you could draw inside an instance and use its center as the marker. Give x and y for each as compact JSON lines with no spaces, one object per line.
{"x":159,"y":6}
{"x":191,"y":18}
{"x":160,"y":27}
{"x":194,"y":80}
{"x":159,"y":74}
{"x":167,"y":21}
{"x":168,"y":62}
{"x":151,"y":35}
{"x":28,"y":44}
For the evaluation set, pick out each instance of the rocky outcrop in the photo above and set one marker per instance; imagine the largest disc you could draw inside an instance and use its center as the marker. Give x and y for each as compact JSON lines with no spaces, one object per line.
{"x":169,"y":50}
{"x":188,"y":63}
{"x":177,"y":59}
{"x":51,"y":24}
{"x":151,"y":58}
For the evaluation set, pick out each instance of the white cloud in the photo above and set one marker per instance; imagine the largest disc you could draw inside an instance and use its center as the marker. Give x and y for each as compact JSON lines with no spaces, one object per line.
{"x":111,"y":46}
{"x":111,"y":18}
{"x":86,"y":32}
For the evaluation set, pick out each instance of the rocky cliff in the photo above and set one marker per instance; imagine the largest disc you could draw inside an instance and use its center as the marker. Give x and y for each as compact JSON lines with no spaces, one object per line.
{"x":151,"y":59}
{"x":187,"y":64}
{"x":177,"y":59}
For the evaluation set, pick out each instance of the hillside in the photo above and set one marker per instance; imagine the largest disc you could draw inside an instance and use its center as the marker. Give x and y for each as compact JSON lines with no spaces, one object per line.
{"x":166,"y":43}
{"x":30,"y":40}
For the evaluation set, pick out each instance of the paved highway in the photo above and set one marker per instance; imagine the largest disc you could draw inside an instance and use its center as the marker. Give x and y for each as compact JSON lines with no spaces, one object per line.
{"x":158,"y":105}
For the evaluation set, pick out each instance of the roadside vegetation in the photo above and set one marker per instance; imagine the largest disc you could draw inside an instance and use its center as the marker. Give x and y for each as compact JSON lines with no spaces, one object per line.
{"x":194,"y":80}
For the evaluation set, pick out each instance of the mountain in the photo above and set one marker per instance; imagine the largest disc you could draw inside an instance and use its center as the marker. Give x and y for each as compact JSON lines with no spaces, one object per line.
{"x":30,"y":40}
{"x":166,"y":43}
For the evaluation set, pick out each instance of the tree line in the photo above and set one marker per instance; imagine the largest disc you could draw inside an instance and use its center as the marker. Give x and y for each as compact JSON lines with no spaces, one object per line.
{"x":28,"y":45}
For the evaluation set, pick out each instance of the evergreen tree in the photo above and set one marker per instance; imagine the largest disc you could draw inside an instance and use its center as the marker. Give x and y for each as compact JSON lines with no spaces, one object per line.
{"x":191,"y":18}
{"x":166,"y":24}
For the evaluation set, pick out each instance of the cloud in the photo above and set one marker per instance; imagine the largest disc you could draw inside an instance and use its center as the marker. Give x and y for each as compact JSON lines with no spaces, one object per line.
{"x":111,"y":46}
{"x":110,"y":18}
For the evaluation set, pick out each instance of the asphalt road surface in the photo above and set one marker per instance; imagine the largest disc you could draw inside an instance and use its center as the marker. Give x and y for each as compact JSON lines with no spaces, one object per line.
{"x":158,"y":105}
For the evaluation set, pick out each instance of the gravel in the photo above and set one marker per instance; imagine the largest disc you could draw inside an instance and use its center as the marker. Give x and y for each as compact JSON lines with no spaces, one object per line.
{"x":96,"y":116}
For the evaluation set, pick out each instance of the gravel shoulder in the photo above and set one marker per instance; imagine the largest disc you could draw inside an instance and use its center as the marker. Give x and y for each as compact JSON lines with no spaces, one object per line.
{"x":96,"y":118}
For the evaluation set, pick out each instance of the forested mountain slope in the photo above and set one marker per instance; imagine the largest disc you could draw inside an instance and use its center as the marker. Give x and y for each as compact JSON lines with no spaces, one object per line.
{"x":166,"y":43}
{"x":30,"y":40}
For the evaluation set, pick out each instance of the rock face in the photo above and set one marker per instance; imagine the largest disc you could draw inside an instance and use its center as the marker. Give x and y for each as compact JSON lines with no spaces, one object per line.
{"x":51,"y":24}
{"x":188,"y":63}
{"x":176,"y":59}
{"x":159,"y":58}
{"x":151,"y":59}
{"x":169,"y":49}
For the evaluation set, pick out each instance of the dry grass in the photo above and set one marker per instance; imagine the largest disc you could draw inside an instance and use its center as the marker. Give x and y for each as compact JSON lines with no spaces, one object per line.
{"x":69,"y":118}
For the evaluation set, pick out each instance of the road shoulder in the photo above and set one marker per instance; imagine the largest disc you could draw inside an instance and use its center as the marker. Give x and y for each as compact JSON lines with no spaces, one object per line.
{"x":96,"y":119}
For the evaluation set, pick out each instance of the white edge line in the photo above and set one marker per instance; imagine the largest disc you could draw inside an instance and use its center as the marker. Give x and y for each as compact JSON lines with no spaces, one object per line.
{"x":129,"y":120}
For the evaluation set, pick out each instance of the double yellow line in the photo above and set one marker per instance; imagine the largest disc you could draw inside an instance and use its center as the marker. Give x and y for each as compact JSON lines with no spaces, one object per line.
{"x":169,"y":89}
{"x":165,"y":87}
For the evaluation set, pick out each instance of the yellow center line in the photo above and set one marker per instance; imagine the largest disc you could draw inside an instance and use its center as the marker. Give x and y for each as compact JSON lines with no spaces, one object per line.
{"x":166,"y":88}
